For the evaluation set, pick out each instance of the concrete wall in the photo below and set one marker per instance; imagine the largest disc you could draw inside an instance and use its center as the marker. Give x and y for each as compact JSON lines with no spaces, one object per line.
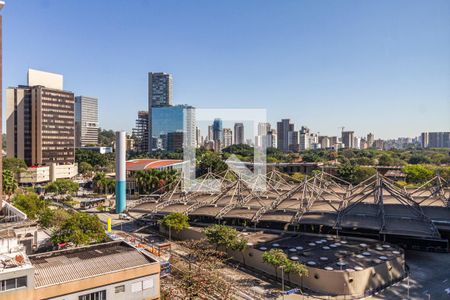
{"x":322,"y":281}
{"x":35,"y":175}
{"x":63,"y":171}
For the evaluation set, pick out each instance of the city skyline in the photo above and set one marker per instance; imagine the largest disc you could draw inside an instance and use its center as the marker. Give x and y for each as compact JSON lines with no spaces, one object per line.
{"x":388,"y":73}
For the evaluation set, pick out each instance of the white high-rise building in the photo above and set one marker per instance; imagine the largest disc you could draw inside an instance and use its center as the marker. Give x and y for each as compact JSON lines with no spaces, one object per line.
{"x":86,"y":121}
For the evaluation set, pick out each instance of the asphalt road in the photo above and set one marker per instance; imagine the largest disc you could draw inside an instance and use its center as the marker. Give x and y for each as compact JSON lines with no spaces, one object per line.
{"x":429,"y":279}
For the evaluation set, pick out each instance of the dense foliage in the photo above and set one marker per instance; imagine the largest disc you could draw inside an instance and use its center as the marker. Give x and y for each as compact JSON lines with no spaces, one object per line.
{"x":14,"y":165}
{"x":226,"y":237}
{"x":176,"y":221}
{"x":80,"y":229}
{"x":30,"y":204}
{"x":154,"y":180}
{"x":106,"y":137}
{"x":9,"y":182}
{"x":91,"y":160}
{"x":62,"y":187}
{"x":278,"y":259}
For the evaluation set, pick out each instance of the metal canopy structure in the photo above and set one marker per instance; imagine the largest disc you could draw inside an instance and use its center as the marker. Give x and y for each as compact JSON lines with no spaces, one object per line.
{"x":376,"y":206}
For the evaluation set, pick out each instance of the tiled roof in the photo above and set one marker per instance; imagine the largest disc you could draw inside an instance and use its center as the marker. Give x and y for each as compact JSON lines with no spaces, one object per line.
{"x":144,"y":164}
{"x":75,"y":264}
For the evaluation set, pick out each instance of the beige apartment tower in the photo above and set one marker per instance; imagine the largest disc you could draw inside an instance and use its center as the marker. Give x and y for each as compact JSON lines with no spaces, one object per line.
{"x":40,"y":121}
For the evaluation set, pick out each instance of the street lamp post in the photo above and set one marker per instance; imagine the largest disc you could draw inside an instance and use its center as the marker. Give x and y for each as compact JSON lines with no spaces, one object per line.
{"x":282,"y":281}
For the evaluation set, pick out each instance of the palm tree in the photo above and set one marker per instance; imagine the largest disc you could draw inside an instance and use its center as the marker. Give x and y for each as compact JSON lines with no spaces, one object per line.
{"x":100,"y":182}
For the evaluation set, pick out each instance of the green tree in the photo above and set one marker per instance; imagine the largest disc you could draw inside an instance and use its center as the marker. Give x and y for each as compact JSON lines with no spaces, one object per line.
{"x":294,"y":267}
{"x":30,"y":204}
{"x":62,"y":186}
{"x":239,"y":244}
{"x":106,"y":137}
{"x":221,"y":235}
{"x":276,"y":258}
{"x":385,"y":160}
{"x":100,"y":182}
{"x":211,"y":161}
{"x":417,"y":174}
{"x":15,"y":165}
{"x":347,"y":172}
{"x":175,"y":221}
{"x":9,"y":182}
{"x":419,"y":159}
{"x":80,"y":229}
{"x":362,"y":173}
{"x":85,"y":168}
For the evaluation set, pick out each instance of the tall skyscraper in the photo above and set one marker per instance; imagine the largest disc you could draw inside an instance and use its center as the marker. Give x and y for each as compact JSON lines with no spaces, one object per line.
{"x":238,"y":133}
{"x":217,"y":131}
{"x":159,"y":95}
{"x":210,"y":133}
{"x":348,"y":139}
{"x":198,"y":137}
{"x":370,"y":140}
{"x":41,"y":120}
{"x":263,"y":128}
{"x":272,"y":138}
{"x":283,"y":135}
{"x":304,"y":138}
{"x":159,"y":89}
{"x":140,"y":132}
{"x":173,"y":119}
{"x":86,"y":121}
{"x":227,"y":137}
{"x":294,"y":142}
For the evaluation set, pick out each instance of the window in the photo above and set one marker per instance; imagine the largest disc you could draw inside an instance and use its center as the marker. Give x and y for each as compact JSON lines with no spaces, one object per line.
{"x":120,"y":289}
{"x":147,"y":284}
{"x":21,"y":281}
{"x":136,"y":287}
{"x":101,"y":295}
{"x":13,"y":283}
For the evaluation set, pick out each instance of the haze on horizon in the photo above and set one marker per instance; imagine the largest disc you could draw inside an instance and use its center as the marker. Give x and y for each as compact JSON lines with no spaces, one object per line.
{"x":371,"y":66}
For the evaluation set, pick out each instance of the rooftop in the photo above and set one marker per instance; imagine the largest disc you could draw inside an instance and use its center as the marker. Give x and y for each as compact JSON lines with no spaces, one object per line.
{"x":331,"y":252}
{"x":145,"y":164}
{"x":62,"y":266}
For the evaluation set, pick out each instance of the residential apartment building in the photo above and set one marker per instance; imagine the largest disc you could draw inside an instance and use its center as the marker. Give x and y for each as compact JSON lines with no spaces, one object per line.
{"x":272,"y":138}
{"x":348,"y":139}
{"x":294,"y":141}
{"x":227,"y":137}
{"x":238,"y":133}
{"x":304,"y":138}
{"x":370,"y":140}
{"x":86,"y":121}
{"x":140,"y":132}
{"x":41,"y":120}
{"x":435,"y":139}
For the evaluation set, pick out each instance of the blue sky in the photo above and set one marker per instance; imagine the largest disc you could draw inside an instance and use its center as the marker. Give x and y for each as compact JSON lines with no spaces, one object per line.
{"x":371,"y":66}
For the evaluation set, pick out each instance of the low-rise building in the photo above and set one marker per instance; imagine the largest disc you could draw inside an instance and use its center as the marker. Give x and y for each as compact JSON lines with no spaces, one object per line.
{"x":101,"y":150}
{"x":44,"y":174}
{"x":113,"y":270}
